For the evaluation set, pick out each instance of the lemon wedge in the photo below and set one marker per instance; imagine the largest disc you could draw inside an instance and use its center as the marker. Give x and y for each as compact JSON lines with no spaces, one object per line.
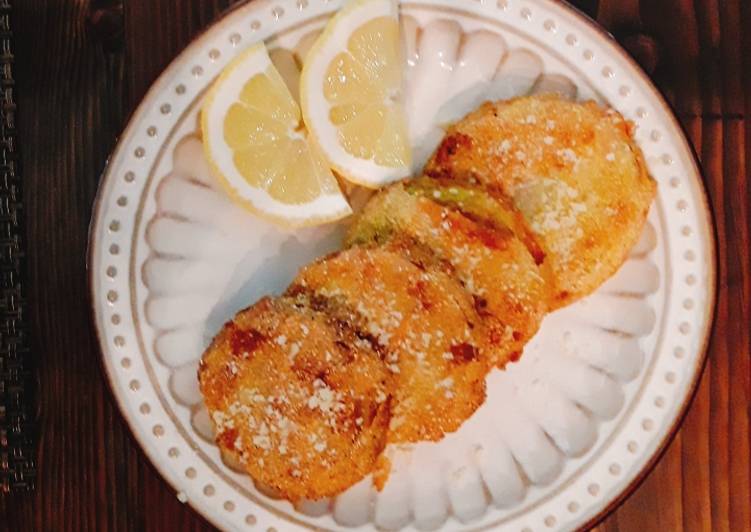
{"x":351,"y":94}
{"x":258,"y":149}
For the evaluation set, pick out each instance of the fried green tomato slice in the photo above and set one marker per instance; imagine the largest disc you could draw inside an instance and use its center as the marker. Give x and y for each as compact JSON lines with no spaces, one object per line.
{"x":493,"y":265}
{"x":487,"y":205}
{"x":575,"y":172}
{"x":299,"y":400}
{"x":426,"y":326}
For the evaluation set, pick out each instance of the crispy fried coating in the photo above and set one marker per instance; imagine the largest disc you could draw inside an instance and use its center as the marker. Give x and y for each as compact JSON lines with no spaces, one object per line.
{"x":425,"y":323}
{"x":573,"y":170}
{"x":494,"y":266}
{"x":298,"y":399}
{"x":488,"y":205}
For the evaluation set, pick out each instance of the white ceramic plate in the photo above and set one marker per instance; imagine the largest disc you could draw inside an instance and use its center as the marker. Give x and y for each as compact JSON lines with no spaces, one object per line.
{"x":564,"y":434}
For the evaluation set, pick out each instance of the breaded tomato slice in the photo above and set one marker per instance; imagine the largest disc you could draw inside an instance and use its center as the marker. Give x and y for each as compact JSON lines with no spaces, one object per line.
{"x":487,"y":205}
{"x":493,"y":265}
{"x":573,"y":170}
{"x":297,"y":399}
{"x":426,"y":325}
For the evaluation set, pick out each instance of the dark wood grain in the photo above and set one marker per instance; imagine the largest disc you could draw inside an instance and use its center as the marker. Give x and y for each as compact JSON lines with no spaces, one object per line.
{"x":77,"y":86}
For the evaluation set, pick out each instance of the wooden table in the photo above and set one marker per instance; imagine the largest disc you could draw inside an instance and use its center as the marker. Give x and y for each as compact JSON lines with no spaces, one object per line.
{"x":79,"y":77}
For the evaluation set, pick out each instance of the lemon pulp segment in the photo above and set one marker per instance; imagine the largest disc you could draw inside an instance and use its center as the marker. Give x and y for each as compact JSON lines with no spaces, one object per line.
{"x":263,"y":130}
{"x":363,"y":85}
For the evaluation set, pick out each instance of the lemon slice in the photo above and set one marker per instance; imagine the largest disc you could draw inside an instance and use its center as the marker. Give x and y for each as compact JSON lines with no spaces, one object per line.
{"x":350,"y":93}
{"x":256,"y":146}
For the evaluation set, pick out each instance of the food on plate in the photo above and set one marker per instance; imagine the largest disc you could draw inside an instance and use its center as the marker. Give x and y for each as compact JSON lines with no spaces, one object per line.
{"x":492,"y":263}
{"x":572,"y":169}
{"x":424,"y":325}
{"x":482,"y":203}
{"x":297,"y":398}
{"x":248,"y":119}
{"x":526,"y":206}
{"x":351,"y":94}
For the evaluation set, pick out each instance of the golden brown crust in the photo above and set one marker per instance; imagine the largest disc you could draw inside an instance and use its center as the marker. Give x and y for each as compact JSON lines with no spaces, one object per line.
{"x":427,"y":325}
{"x":487,"y":204}
{"x":494,"y":266}
{"x":573,"y":170}
{"x":302,"y":403}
